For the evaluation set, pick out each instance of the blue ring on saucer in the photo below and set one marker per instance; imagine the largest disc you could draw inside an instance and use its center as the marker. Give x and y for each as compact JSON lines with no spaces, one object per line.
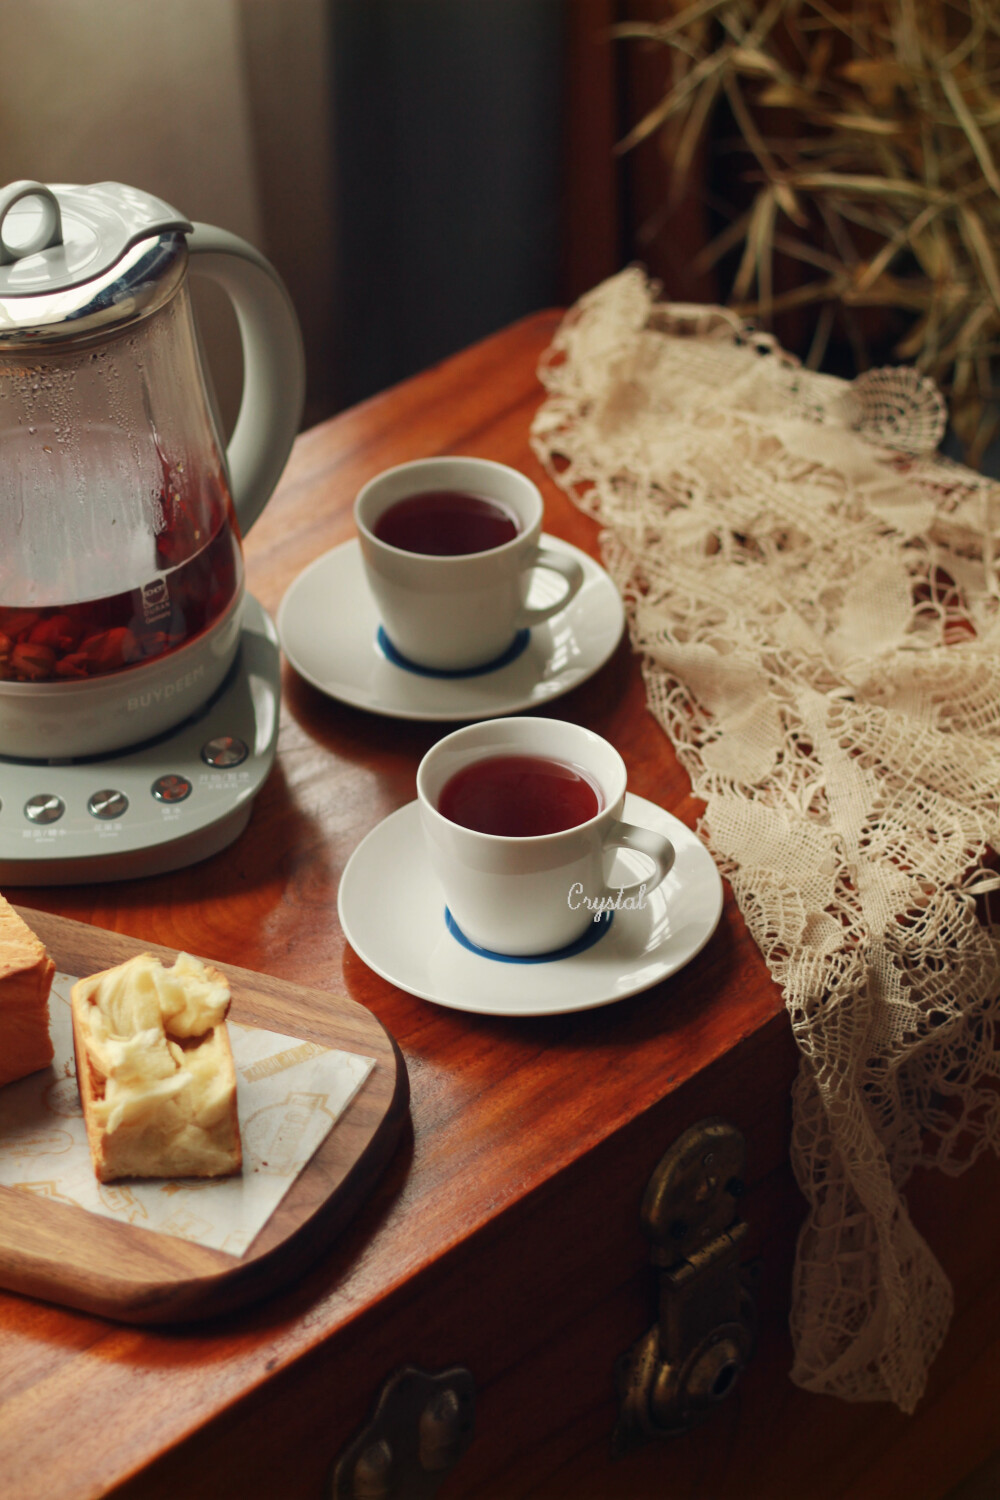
{"x":513,"y":651}
{"x":593,"y":934}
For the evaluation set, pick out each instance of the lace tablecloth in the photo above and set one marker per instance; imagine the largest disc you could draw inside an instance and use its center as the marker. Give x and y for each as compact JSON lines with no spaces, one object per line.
{"x":816,"y":598}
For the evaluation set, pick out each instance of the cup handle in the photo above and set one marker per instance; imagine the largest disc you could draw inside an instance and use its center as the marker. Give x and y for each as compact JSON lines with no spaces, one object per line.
{"x":558,"y":562}
{"x":653,"y":845}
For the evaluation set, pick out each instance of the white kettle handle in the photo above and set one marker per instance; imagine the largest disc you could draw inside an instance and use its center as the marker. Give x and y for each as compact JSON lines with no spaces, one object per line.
{"x":274,"y":370}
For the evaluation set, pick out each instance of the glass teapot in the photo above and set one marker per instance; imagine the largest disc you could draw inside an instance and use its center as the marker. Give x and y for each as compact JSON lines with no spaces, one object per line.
{"x":121,"y":511}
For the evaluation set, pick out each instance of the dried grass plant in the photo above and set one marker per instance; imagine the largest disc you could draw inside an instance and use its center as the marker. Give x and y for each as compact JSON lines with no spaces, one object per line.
{"x":873,"y":133}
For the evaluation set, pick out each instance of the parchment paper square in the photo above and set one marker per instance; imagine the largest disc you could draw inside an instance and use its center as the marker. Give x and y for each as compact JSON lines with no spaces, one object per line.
{"x":290,"y":1094}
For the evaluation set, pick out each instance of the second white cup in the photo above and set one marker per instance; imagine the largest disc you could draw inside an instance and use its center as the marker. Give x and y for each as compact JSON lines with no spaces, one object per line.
{"x":459,"y":612}
{"x":525,"y":895}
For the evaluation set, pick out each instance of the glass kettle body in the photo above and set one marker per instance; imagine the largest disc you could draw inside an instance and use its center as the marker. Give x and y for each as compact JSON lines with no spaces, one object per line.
{"x":121,"y":573}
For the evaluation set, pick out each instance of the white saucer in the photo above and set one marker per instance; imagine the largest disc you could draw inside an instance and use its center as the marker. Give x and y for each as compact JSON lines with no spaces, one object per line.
{"x":327,"y":626}
{"x":392,"y":911}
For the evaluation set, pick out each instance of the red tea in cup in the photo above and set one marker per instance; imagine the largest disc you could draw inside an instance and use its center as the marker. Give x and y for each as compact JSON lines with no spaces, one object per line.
{"x":519,"y":796}
{"x":446,"y":523}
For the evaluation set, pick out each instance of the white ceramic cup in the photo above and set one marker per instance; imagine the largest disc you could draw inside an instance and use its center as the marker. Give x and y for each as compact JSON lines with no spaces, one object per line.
{"x":457,"y":613}
{"x":532,"y":895}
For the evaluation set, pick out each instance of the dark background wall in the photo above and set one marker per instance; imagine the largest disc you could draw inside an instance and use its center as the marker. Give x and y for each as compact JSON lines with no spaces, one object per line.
{"x":420,"y":172}
{"x":448,"y":144}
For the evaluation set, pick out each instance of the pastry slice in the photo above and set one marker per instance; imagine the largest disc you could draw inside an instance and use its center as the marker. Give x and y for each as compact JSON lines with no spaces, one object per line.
{"x":155,"y":1070}
{"x":25,"y":980}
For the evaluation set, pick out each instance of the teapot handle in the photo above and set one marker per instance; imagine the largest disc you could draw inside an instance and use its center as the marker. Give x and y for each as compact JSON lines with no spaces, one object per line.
{"x":273,"y":365}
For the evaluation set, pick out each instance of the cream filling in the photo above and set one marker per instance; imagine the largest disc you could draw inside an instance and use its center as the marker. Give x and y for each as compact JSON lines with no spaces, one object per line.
{"x":138,"y":1014}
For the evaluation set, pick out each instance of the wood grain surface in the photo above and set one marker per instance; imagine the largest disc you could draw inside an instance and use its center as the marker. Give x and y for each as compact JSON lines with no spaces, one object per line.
{"x":497,"y":1105}
{"x":69,"y":1256}
{"x":531,"y":1138}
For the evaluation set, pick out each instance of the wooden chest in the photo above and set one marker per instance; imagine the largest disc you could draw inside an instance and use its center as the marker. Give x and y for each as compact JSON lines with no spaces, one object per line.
{"x":503,"y":1239}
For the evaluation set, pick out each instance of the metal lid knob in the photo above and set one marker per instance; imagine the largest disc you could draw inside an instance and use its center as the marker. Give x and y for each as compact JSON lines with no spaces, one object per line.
{"x":41,"y":236}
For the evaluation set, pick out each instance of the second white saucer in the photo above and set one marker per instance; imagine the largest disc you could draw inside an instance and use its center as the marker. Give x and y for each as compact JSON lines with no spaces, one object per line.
{"x":328,"y":628}
{"x":393,"y":914}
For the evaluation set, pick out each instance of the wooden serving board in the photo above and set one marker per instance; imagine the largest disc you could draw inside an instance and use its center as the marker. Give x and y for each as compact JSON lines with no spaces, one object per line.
{"x":64,"y":1254}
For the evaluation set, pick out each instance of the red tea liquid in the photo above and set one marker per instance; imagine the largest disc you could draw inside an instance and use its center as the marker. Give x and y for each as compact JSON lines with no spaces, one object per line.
{"x":519,"y":796}
{"x":200,"y":573}
{"x":446,"y":523}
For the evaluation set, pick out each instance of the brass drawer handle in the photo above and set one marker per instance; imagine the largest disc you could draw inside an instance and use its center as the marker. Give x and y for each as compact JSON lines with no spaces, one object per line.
{"x":693,"y":1356}
{"x":421,"y":1426}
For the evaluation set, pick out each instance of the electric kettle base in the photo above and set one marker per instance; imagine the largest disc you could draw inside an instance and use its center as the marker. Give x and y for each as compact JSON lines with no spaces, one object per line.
{"x":161,"y":806}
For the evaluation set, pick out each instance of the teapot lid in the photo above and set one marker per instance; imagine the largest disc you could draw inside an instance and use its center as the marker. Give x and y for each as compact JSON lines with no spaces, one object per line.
{"x":60,"y":237}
